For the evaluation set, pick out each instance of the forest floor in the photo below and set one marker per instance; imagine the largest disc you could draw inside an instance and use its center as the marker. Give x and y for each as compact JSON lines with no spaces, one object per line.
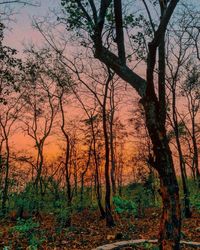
{"x":87,"y":231}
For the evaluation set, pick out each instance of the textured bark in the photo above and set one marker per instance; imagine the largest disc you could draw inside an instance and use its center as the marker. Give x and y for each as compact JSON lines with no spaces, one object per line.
{"x":170,"y":224}
{"x":171,"y":215}
{"x":169,"y":235}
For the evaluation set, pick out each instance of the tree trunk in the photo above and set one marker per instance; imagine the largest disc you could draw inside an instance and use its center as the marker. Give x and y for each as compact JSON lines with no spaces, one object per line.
{"x":187,"y":212}
{"x":112,"y":148}
{"x":67,"y":179}
{"x":109,"y":218}
{"x":84,"y":172}
{"x":6,"y":181}
{"x":155,"y":114}
{"x":196,"y":155}
{"x":169,"y":234}
{"x":186,"y":198}
{"x":112,"y":153}
{"x":97,"y":179}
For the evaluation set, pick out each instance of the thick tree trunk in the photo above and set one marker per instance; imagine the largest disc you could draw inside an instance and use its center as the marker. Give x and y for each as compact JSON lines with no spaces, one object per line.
{"x":153,"y":106}
{"x":169,"y":235}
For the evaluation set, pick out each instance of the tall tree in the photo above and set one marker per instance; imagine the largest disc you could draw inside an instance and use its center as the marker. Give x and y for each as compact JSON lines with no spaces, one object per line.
{"x":41,"y":107}
{"x":191,"y":90}
{"x":95,"y":19}
{"x":10,"y":107}
{"x":177,"y":56}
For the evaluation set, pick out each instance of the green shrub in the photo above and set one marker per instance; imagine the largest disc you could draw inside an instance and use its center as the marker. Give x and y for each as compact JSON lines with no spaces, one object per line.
{"x":63,"y":217}
{"x":29,"y":229}
{"x":195,"y":201}
{"x":124,"y":206}
{"x":25,"y":226}
{"x":150,"y":246}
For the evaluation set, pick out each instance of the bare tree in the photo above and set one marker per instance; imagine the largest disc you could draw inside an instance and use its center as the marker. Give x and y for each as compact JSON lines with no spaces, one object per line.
{"x":191,"y":90}
{"x":93,"y":19}
{"x":41,"y":107}
{"x":10,"y":108}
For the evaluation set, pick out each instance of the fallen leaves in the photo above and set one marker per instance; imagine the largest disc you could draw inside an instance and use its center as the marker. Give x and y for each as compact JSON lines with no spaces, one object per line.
{"x":89,"y":231}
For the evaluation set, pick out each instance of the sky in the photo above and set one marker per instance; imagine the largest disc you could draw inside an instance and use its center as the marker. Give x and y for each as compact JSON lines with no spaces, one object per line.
{"x":20,"y":31}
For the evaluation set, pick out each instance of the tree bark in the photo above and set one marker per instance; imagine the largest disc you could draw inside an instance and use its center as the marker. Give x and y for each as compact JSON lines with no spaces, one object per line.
{"x":109,"y":218}
{"x":169,"y":235}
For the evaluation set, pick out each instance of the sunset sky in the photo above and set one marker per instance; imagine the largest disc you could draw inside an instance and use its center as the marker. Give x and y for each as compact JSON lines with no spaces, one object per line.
{"x":22,"y":33}
{"x":19,"y":34}
{"x":20,"y":29}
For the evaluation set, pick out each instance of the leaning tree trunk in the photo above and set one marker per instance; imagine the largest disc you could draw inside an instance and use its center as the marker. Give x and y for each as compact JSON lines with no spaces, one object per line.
{"x":169,"y":234}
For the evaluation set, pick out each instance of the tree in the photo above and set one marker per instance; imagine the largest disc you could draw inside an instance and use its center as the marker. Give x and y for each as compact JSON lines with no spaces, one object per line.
{"x":41,"y":107}
{"x":177,"y":56}
{"x":104,"y":115}
{"x":191,"y":90}
{"x":64,"y":83}
{"x":94,"y":19}
{"x":93,"y":122}
{"x":10,"y":107}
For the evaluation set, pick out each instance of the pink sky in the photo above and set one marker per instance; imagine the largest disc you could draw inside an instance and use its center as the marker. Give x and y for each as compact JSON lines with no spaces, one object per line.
{"x":21,"y":32}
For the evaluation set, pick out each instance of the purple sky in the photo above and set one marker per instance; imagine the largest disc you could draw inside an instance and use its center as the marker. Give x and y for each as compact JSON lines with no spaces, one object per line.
{"x":21,"y":30}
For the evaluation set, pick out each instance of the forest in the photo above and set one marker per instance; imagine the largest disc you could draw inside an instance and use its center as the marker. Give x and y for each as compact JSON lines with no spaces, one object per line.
{"x":99,"y":124}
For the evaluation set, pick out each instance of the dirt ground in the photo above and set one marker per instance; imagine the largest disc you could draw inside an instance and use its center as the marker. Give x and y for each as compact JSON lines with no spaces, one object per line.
{"x":89,"y":231}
